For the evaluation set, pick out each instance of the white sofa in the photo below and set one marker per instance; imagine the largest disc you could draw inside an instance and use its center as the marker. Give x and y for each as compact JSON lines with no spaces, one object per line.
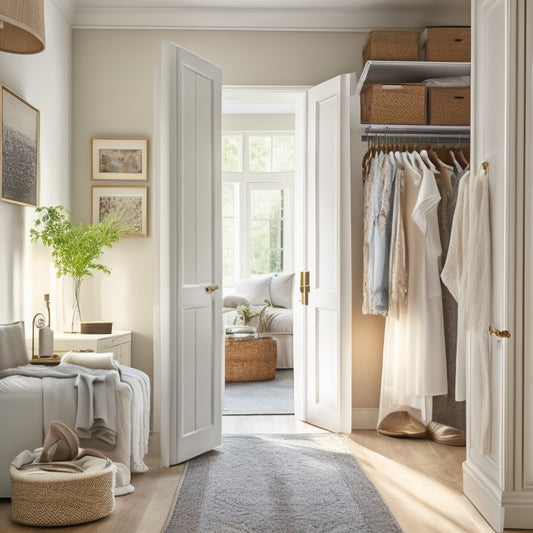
{"x":252,"y":292}
{"x":24,"y":419}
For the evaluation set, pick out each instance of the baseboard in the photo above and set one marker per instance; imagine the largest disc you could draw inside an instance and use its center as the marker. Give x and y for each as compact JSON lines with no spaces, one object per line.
{"x":484,"y":494}
{"x":365,"y":418}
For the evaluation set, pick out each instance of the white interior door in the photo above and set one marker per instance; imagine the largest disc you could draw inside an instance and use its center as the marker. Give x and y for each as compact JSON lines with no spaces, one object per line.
{"x":327,"y":317}
{"x":190,"y":255}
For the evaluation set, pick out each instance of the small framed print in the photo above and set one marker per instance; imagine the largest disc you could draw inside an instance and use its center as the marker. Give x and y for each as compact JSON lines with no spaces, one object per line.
{"x":19,"y":149}
{"x":129,"y":202}
{"x":119,"y":159}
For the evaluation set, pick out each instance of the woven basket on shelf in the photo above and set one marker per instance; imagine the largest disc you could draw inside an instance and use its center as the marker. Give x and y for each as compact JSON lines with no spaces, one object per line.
{"x":48,"y":499}
{"x":448,"y":44}
{"x":448,"y":106}
{"x":251,"y":360}
{"x":393,"y":104}
{"x":392,"y":45}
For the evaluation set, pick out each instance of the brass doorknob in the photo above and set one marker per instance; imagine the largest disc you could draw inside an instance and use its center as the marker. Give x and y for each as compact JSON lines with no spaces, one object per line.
{"x":211,"y":288}
{"x":501,"y":334}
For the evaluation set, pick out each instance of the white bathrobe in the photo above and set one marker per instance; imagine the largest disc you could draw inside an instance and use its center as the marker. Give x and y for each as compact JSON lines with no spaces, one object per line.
{"x":467,"y":275}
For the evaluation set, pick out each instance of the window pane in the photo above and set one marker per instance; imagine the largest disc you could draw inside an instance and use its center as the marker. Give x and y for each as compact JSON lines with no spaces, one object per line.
{"x":230,"y":235}
{"x":266,"y":230}
{"x":231,"y":153}
{"x":283,"y":153}
{"x":267,"y":234}
{"x":260,"y":153}
{"x":265,"y":261}
{"x":267,"y":203}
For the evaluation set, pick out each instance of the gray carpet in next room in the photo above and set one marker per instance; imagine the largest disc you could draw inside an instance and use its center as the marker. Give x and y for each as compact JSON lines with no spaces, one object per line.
{"x":272,"y":397}
{"x":279,"y":483}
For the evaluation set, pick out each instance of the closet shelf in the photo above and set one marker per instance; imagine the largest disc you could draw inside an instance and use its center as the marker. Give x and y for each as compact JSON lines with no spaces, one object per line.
{"x":409,"y":71}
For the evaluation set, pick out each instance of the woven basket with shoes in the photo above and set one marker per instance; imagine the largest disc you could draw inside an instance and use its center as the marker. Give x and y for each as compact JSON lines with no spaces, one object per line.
{"x":61,"y":484}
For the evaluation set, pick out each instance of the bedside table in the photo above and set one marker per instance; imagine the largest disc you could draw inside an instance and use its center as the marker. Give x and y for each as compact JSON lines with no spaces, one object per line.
{"x":118,"y":343}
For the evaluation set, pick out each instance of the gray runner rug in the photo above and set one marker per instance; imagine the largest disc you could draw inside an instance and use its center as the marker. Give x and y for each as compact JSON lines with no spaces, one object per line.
{"x":279,"y":483}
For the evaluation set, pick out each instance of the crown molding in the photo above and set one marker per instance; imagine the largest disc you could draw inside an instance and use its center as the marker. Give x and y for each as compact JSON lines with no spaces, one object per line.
{"x":67,"y":8}
{"x":263,"y":19}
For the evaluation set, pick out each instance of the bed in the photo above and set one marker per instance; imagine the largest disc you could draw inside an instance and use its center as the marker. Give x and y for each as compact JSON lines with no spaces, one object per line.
{"x":25,"y":416}
{"x":252,"y":293}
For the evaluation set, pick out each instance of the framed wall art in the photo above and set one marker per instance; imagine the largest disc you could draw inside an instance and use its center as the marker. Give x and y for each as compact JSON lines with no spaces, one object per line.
{"x":19,"y":162}
{"x":130,"y":202}
{"x":119,"y":159}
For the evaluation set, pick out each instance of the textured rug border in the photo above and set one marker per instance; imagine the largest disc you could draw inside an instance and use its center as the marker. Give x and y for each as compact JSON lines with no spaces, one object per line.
{"x":350,"y":448}
{"x":176,"y":495}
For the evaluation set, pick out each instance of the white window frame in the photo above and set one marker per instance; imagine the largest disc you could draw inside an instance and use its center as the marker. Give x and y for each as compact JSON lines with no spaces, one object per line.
{"x":247,"y":181}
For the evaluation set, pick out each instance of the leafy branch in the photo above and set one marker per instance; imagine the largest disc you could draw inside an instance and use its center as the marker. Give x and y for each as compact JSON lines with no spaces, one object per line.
{"x":75,"y":247}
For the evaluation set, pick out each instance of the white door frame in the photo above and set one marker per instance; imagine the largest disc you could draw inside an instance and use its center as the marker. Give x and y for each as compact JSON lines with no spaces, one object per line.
{"x":297,"y":97}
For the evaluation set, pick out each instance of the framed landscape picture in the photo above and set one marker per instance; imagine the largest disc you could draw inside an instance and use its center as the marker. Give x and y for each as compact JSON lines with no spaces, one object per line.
{"x":128,"y":202}
{"x":19,"y":148}
{"x":119,"y":159}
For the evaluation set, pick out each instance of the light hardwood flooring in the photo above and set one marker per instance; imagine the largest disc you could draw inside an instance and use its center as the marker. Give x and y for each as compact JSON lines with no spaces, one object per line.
{"x":419,"y":480}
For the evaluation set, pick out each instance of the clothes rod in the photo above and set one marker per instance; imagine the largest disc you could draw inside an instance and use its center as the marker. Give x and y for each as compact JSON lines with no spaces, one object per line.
{"x":416,"y":137}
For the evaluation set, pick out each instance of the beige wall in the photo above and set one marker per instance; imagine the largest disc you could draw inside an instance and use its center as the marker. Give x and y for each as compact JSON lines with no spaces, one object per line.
{"x":43,"y":80}
{"x":243,"y":122}
{"x":113,"y":95}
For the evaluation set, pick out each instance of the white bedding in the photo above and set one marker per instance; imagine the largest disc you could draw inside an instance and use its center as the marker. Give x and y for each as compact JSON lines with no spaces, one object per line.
{"x":24,"y":423}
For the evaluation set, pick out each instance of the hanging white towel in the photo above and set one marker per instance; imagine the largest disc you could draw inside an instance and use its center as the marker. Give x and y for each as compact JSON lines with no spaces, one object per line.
{"x":467,"y":276}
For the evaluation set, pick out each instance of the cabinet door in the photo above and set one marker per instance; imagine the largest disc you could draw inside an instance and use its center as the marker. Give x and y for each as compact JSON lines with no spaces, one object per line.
{"x":494,"y":480}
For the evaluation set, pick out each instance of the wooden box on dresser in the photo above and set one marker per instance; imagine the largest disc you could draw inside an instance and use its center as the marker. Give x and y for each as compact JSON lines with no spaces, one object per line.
{"x":118,"y":343}
{"x":499,"y":480}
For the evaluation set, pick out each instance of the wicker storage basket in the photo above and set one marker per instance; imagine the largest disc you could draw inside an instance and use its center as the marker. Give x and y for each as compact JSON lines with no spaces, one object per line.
{"x":448,"y":106}
{"x":447,"y":44}
{"x":393,"y":104}
{"x":96,"y":327}
{"x":392,"y":45}
{"x":45,"y":499}
{"x":251,"y":360}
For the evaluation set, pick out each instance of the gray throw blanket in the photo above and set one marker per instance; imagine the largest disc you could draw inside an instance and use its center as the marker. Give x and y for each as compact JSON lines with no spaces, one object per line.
{"x":81,"y":397}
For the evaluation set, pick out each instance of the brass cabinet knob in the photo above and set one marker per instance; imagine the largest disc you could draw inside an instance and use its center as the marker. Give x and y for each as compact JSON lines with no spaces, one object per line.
{"x":211,"y":288}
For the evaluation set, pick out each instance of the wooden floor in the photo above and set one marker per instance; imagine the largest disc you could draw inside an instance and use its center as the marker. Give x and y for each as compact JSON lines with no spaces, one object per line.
{"x":419,"y":480}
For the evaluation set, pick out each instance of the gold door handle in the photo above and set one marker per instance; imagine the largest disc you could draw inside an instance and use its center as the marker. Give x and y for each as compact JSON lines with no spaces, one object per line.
{"x":503,"y":334}
{"x":211,"y":288}
{"x":304,"y":287}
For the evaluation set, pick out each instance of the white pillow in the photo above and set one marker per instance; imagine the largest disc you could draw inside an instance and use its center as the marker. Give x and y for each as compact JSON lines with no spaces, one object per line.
{"x":13,"y":351}
{"x":255,"y":290}
{"x":281,"y":290}
{"x":232,"y":300}
{"x":104,"y":361}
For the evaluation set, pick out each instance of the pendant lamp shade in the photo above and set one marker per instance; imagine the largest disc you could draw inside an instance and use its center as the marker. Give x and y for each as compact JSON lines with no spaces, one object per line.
{"x":22,"y":22}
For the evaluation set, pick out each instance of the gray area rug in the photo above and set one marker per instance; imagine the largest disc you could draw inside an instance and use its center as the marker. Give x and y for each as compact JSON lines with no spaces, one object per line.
{"x":279,"y":483}
{"x":272,"y":397}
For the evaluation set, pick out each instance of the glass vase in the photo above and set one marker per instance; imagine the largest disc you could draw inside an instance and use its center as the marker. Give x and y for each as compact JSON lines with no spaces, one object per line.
{"x":71,"y":305}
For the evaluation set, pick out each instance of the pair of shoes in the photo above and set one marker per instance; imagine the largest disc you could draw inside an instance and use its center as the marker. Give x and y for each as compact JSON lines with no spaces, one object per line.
{"x":402,"y":424}
{"x":60,"y":444}
{"x":444,"y":434}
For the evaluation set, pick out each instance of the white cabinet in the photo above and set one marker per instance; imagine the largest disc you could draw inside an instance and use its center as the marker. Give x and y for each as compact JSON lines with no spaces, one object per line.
{"x":499,"y":481}
{"x":118,"y":343}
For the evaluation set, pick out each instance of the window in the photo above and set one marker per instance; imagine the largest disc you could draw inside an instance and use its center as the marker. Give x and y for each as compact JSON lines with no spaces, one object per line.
{"x":258,"y":175}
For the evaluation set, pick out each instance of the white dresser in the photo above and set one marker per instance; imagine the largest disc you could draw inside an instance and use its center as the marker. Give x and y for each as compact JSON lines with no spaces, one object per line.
{"x":118,"y":343}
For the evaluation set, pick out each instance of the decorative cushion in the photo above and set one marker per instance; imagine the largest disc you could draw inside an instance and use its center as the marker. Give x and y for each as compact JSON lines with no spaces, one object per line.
{"x":233,"y":301}
{"x":13,"y":351}
{"x":255,"y":290}
{"x":281,"y":290}
{"x":90,"y":360}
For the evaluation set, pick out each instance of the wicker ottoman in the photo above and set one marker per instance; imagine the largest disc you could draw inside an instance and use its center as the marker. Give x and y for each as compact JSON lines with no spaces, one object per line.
{"x":44,"y":498}
{"x":251,"y":359}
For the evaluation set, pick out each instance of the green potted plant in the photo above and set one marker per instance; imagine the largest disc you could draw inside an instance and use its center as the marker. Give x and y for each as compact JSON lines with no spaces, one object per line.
{"x":75,"y":247}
